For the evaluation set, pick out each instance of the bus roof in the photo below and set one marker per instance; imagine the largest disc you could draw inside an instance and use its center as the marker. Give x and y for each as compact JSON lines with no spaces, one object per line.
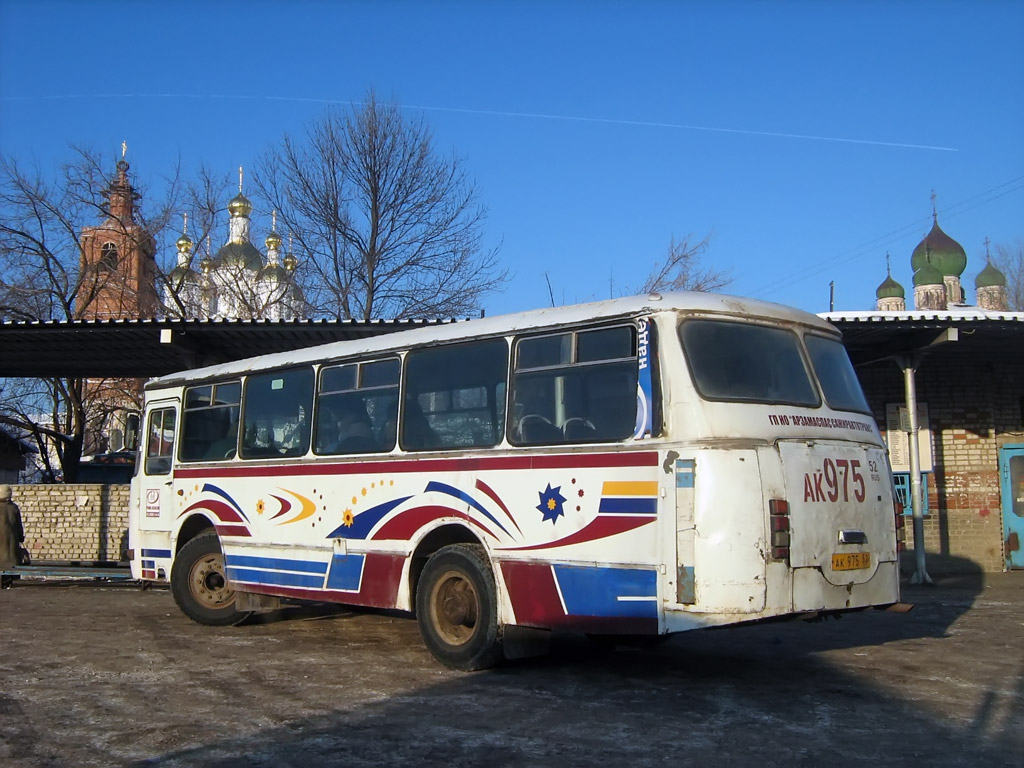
{"x":685,"y":302}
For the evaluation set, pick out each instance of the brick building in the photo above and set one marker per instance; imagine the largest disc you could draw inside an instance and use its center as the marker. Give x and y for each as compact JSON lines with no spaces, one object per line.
{"x":964,"y":367}
{"x":117,"y":280}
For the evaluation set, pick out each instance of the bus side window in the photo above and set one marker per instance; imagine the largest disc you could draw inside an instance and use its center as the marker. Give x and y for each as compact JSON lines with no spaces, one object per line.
{"x":160,"y":443}
{"x":454,"y":396}
{"x":209,"y":430}
{"x":575,"y":387}
{"x":357,"y":405}
{"x":276,"y":412}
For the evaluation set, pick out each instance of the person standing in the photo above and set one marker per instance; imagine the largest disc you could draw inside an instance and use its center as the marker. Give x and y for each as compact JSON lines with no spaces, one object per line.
{"x":12,"y":534}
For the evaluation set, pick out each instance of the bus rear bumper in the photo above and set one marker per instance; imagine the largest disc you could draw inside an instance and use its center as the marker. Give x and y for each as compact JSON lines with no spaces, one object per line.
{"x":813,"y":592}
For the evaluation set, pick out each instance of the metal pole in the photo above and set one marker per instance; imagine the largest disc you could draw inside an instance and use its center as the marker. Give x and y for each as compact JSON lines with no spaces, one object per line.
{"x":920,"y":572}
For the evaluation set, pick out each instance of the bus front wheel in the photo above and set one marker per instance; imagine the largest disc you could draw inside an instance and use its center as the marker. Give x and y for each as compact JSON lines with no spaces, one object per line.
{"x":457,"y":608}
{"x":200,"y":586}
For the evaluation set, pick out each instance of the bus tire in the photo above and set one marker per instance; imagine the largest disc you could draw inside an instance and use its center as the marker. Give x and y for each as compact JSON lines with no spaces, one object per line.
{"x":199,"y":584}
{"x":457,"y":608}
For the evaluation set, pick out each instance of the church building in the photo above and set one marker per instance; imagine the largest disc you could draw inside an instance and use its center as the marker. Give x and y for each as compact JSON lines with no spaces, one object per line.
{"x":237,"y":281}
{"x":962,"y":368}
{"x":118,"y":278}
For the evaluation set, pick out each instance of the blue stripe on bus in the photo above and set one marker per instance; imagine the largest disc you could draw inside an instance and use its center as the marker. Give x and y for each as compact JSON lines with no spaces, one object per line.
{"x":433,"y":485}
{"x":149,"y":564}
{"x":346,"y":572}
{"x":636,"y":506}
{"x":607,"y":592}
{"x":276,"y":564}
{"x":364,"y":521}
{"x":156,"y":553}
{"x":275,"y":578}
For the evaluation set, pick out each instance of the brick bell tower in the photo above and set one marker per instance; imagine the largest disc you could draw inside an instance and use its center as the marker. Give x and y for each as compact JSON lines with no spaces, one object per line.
{"x":117,"y":282}
{"x":118,"y":265}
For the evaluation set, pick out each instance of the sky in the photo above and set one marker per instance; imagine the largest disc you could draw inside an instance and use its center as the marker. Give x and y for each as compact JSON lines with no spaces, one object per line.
{"x":805,"y":139}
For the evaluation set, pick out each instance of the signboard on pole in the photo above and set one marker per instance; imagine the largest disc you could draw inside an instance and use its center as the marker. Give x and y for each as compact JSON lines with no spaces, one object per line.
{"x":897,"y":424}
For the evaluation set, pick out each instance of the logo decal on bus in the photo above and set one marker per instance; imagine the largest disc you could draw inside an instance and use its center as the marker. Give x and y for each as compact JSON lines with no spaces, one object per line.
{"x":645,"y":383}
{"x":551,"y":501}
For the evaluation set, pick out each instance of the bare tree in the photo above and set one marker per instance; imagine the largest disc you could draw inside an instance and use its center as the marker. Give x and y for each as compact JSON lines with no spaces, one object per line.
{"x":1010,"y":261}
{"x":680,"y":270}
{"x":390,"y":228}
{"x":44,"y":276}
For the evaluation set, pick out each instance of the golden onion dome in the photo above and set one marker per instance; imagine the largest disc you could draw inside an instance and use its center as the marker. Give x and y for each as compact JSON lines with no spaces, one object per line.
{"x":290,"y":262}
{"x":273,"y":241}
{"x":184,"y":244}
{"x":240,"y":205}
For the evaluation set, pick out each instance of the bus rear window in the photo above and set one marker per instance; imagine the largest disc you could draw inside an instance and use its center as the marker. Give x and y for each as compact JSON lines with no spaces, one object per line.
{"x":835,"y":373}
{"x":747,"y":363}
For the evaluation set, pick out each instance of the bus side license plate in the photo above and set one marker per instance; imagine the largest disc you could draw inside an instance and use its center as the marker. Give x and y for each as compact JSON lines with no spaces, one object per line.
{"x":851,"y":561}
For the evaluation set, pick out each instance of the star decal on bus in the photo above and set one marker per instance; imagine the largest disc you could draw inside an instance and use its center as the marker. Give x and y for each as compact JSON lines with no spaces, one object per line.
{"x":551,"y":501}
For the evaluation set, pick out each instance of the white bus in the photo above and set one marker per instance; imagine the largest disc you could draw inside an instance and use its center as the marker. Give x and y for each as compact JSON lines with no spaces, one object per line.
{"x":631,"y":467}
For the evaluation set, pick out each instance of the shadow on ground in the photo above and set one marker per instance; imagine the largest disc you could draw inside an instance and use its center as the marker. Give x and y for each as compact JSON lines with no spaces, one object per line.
{"x":760,"y":695}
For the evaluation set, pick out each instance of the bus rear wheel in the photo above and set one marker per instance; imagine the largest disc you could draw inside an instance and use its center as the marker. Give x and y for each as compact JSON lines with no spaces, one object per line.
{"x":200,"y":586}
{"x":457,"y":608}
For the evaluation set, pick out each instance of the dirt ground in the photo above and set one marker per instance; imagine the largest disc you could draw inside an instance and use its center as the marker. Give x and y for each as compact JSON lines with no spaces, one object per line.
{"x":98,"y":674}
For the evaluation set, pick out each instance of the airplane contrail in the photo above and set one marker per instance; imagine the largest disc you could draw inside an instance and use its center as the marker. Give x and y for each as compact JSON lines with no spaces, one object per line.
{"x":501,"y":113}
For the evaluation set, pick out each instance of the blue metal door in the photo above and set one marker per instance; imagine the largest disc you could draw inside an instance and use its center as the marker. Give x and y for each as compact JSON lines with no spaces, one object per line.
{"x":1011,"y":470}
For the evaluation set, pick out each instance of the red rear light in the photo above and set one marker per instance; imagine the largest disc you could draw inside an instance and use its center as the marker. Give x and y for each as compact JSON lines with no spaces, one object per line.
{"x":778,"y":517}
{"x":901,"y":526}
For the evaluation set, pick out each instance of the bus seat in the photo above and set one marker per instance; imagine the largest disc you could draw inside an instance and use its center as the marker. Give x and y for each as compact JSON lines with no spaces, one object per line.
{"x":536,"y":429}
{"x":579,"y":430}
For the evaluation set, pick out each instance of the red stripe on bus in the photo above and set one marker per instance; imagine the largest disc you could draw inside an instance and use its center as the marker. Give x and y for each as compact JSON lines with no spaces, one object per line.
{"x":406,"y":523}
{"x":233,"y":530}
{"x":497,"y":500}
{"x":224,"y":511}
{"x":600,"y":527}
{"x":531,"y":588}
{"x":366,"y":466}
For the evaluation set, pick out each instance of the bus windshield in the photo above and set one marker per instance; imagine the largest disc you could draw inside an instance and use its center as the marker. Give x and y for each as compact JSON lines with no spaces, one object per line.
{"x":744,"y":362}
{"x":835,"y":373}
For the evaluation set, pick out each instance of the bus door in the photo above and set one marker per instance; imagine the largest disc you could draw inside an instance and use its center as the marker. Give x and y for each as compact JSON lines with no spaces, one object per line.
{"x":156,"y":504}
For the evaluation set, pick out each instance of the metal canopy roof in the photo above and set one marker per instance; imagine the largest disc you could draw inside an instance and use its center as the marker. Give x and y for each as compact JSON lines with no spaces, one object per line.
{"x":145,"y":348}
{"x":873,"y":336}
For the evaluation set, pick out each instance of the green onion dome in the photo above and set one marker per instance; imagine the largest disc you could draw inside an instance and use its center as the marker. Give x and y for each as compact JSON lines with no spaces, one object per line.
{"x":928,"y":274}
{"x":947,"y":255}
{"x":990,"y":276}
{"x":890,"y":289}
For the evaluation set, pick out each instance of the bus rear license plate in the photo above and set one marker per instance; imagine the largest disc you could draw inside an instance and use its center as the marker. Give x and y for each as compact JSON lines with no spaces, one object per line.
{"x":851,"y":561}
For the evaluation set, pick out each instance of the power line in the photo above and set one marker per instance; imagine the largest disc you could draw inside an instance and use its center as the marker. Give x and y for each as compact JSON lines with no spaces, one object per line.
{"x":950,"y":212}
